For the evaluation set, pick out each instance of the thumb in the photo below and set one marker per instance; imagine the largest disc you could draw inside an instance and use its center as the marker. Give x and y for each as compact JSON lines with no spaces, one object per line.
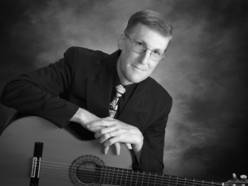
{"x":117,"y":148}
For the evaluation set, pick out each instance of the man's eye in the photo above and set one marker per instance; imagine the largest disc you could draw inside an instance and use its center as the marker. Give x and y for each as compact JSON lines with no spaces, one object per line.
{"x":156,"y":52}
{"x":139,"y":43}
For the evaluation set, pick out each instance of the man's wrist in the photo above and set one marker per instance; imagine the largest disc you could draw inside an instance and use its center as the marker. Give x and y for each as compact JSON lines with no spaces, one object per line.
{"x":83,"y":116}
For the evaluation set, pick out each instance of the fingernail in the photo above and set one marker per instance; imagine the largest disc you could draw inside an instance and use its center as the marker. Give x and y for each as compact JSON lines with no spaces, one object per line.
{"x":243,"y":176}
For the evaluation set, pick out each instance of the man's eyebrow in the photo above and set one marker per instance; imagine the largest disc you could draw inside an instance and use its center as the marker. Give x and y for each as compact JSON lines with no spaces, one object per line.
{"x":143,"y":42}
{"x":140,"y":40}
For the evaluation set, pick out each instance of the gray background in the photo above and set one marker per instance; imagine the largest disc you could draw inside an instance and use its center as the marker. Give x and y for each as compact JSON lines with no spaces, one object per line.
{"x":204,"y":70}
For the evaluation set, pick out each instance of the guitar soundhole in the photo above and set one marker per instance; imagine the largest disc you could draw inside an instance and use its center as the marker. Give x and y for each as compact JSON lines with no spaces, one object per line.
{"x":85,"y":170}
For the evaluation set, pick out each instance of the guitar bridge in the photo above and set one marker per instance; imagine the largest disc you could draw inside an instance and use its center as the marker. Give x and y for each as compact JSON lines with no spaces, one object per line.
{"x":36,"y":163}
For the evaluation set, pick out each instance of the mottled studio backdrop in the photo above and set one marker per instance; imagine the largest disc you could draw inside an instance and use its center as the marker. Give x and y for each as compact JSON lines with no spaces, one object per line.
{"x":205,"y":67}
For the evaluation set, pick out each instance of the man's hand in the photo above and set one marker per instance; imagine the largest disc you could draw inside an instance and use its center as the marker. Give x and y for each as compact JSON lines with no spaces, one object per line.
{"x":111,"y":131}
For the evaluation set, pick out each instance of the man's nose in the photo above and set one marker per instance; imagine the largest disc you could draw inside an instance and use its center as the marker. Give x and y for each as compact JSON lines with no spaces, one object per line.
{"x":145,"y":57}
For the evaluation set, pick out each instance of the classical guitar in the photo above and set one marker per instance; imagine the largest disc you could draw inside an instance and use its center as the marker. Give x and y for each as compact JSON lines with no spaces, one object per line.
{"x":35,"y":152}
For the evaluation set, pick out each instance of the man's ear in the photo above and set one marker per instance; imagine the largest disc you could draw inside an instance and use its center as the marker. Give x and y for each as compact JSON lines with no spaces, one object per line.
{"x":121,"y":41}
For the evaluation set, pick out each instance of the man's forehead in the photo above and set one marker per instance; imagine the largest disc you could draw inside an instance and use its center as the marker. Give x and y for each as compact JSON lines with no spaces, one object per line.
{"x":151,"y":37}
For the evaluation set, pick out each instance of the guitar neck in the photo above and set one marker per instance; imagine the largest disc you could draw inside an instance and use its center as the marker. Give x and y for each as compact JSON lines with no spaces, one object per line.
{"x":119,"y":176}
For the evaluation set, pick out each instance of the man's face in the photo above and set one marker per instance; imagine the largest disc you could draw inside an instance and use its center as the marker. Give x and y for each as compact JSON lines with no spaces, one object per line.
{"x":142,"y":50}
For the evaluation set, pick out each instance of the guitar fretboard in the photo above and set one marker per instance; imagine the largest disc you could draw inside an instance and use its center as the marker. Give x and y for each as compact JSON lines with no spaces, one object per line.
{"x":118,"y":176}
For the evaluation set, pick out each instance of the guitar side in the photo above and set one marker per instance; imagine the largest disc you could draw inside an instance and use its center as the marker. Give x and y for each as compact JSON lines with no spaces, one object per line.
{"x":60,"y":149}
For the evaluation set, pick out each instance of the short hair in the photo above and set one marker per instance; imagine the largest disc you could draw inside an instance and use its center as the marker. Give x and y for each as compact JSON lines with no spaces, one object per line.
{"x":151,"y":19}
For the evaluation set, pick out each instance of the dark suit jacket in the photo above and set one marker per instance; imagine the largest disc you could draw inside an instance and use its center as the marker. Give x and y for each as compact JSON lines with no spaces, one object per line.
{"x":84,"y":78}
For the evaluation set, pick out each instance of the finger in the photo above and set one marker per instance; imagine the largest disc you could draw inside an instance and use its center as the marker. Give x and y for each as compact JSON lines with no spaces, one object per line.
{"x":110,"y":135}
{"x":243,"y":176}
{"x":129,"y":146}
{"x":117,"y":148}
{"x":106,"y":149}
{"x":234,"y":176}
{"x":103,"y":131}
{"x":112,"y":141}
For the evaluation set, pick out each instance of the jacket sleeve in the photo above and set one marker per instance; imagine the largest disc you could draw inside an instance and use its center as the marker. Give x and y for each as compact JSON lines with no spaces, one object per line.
{"x":38,"y":93}
{"x":151,"y":158}
{"x":7,"y":115}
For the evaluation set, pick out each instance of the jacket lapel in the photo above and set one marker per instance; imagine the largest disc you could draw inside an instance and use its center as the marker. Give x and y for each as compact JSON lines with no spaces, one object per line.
{"x":135,"y":109}
{"x":100,"y":84}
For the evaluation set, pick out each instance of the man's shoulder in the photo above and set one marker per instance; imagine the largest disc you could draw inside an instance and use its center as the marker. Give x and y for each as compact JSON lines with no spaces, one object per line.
{"x":157,"y":91}
{"x":84,"y":60}
{"x":157,"y":100}
{"x":77,"y":52}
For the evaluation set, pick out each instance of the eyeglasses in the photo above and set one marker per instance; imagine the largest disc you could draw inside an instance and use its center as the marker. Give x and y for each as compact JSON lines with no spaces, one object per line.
{"x":140,"y":47}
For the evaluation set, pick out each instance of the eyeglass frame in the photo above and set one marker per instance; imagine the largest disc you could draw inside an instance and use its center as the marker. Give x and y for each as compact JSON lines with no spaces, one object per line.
{"x":144,"y":48}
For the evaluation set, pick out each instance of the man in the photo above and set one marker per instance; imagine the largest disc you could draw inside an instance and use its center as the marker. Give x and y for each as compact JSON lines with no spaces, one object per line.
{"x":79,"y":87}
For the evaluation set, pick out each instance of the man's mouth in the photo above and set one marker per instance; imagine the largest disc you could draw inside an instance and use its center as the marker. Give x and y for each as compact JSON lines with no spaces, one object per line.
{"x":139,"y":68}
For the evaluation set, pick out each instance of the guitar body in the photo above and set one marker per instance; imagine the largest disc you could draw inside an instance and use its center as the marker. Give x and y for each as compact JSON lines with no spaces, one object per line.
{"x":63,"y":157}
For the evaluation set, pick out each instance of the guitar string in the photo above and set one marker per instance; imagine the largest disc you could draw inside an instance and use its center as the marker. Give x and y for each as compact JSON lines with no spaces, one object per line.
{"x":133,"y":182}
{"x":144,"y":182}
{"x":67,"y":180}
{"x":63,"y":178}
{"x":127,"y":183}
{"x":177,"y":183}
{"x":141,"y":174}
{"x":163,"y":177}
{"x":50,"y":177}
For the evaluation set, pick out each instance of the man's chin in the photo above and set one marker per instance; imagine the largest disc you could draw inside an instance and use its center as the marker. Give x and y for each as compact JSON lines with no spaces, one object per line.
{"x":136,"y":79}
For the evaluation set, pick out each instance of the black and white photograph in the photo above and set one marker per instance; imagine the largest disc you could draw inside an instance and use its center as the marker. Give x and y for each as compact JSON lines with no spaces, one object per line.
{"x":124,"y":92}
